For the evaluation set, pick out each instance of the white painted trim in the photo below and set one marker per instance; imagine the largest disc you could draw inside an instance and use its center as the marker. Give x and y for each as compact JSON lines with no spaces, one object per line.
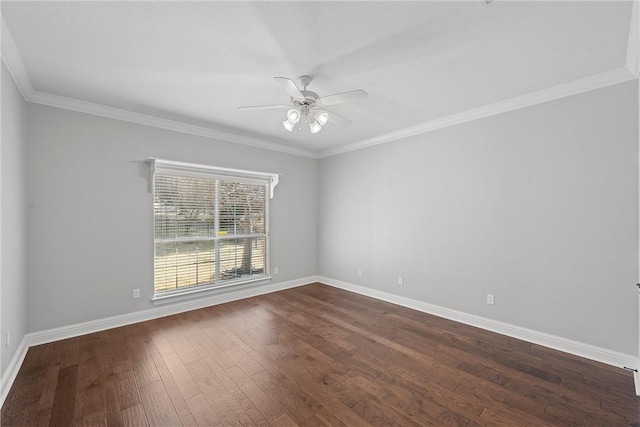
{"x":578,"y":86}
{"x":171,"y":166}
{"x":16,"y":66}
{"x":636,"y":377}
{"x":588,"y":351}
{"x":207,"y":291}
{"x":12,"y":59}
{"x":64,"y":332}
{"x":11,"y":372}
{"x":633,"y":44}
{"x":573,"y":88}
{"x":2,"y":379}
{"x":70,"y":331}
{"x":153,"y":121}
{"x":599,"y":354}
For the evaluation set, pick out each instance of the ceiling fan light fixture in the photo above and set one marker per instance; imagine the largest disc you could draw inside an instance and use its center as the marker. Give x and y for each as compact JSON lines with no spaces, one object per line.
{"x":293,"y":115}
{"x":322,"y":117}
{"x":288,"y":125}
{"x":314,"y":126}
{"x":307,"y":106}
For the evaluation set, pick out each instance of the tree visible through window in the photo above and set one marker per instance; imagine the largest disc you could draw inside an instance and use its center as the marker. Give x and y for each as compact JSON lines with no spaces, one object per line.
{"x":209,"y":231}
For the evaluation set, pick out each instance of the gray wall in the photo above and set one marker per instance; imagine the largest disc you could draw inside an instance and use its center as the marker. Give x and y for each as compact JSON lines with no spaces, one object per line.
{"x":538,"y":206}
{"x":90,"y":214}
{"x":13,"y":268}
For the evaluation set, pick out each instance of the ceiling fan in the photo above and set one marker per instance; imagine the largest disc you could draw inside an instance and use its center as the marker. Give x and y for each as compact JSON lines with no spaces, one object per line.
{"x":308,"y":106}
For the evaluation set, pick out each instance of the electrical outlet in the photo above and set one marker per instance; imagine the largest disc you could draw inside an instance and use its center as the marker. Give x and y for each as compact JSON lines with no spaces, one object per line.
{"x":8,"y":339}
{"x":490,"y":299}
{"x":359,"y":272}
{"x":275,"y":270}
{"x":136,"y":293}
{"x":400,"y":280}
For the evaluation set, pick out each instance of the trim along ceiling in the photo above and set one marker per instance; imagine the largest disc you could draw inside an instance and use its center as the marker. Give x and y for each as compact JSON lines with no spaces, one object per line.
{"x":186,"y":66}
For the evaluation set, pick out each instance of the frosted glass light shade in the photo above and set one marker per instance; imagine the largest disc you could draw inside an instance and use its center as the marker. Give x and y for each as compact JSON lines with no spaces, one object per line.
{"x":293,"y":115}
{"x":315,"y":127}
{"x":322,"y":117}
{"x":288,"y":125}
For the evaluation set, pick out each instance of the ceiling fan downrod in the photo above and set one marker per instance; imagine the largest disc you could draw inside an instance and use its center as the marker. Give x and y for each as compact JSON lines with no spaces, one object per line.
{"x":305,"y":80}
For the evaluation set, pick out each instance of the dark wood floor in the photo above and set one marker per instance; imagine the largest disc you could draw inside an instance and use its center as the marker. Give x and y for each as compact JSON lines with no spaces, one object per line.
{"x":312,"y":356}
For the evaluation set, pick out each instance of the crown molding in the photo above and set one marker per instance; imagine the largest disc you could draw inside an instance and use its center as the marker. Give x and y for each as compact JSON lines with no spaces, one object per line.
{"x":51,"y":100}
{"x":12,"y":59}
{"x":575,"y":87}
{"x":633,"y":45}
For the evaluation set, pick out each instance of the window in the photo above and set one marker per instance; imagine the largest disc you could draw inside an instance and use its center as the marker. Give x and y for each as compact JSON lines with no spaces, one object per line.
{"x":211,"y":227}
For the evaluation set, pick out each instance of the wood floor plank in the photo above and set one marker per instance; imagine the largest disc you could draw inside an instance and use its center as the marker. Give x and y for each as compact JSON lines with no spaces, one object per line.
{"x":178,"y":400}
{"x":283,"y":421}
{"x":163,"y":345}
{"x":329,"y":392}
{"x":202,"y":413}
{"x":219,"y":341}
{"x":489,"y":417}
{"x":156,"y":356}
{"x":494,"y":402}
{"x":31,"y":377}
{"x":127,"y":389}
{"x":144,"y":368}
{"x":157,"y":405}
{"x":113,"y":411}
{"x":188,"y":421}
{"x":249,"y":408}
{"x":243,"y":360}
{"x":64,"y":401}
{"x":65,"y":352}
{"x":306,"y":399}
{"x":183,"y":380}
{"x":95,"y":419}
{"x":297,"y":403}
{"x":225,"y":406}
{"x":90,"y":398}
{"x":312,"y":356}
{"x":265,"y":404}
{"x":184,"y":349}
{"x":134,"y":416}
{"x":49,"y":389}
{"x":381,"y":415}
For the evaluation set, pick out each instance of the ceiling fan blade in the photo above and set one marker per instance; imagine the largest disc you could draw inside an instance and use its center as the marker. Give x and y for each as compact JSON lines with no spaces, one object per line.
{"x":341,"y":98}
{"x":337,"y":119}
{"x":263,"y":107}
{"x":290,"y":87}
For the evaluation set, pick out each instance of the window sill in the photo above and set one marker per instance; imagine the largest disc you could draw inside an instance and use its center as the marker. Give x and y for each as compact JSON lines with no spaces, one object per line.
{"x":209,"y":291}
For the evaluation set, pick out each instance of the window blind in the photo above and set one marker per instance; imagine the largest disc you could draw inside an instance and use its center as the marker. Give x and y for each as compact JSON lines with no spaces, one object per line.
{"x":210,"y":229}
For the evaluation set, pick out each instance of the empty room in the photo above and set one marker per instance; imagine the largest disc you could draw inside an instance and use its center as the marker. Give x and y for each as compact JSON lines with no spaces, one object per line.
{"x":320,"y":213}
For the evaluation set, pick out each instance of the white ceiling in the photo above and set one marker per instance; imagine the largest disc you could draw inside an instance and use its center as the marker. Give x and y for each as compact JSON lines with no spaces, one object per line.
{"x":420,"y":62}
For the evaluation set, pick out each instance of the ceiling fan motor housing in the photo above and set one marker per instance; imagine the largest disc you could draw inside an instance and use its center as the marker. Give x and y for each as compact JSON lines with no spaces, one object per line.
{"x":309,"y":99}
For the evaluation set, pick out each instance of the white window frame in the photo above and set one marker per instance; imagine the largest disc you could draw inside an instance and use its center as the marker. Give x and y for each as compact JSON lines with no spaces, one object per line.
{"x":175,"y":168}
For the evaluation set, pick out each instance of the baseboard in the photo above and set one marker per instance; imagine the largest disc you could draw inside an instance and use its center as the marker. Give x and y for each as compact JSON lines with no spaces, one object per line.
{"x":11,"y":372}
{"x":588,"y":351}
{"x":56,"y":334}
